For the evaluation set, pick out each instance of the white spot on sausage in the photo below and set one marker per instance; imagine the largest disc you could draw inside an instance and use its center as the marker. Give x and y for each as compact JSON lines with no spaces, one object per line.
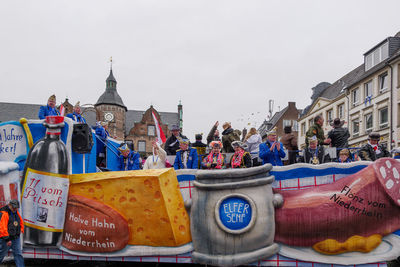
{"x":383,"y":172}
{"x":389,"y":184}
{"x":398,"y":201}
{"x":396,"y":173}
{"x":388,"y":164}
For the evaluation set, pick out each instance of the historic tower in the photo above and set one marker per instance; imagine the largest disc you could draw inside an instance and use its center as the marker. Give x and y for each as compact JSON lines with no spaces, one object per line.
{"x":110,"y":108}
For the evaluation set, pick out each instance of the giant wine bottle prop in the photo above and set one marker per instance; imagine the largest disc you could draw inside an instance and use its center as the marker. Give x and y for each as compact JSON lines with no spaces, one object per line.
{"x":45,"y":187}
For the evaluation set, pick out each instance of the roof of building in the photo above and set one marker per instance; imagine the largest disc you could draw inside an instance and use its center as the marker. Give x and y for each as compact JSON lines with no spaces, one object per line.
{"x":110,"y":96}
{"x":15,"y":111}
{"x":267,"y":125}
{"x":133,"y":116}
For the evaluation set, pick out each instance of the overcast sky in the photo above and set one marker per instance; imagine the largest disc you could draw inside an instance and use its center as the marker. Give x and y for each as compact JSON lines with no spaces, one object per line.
{"x":223,"y":59}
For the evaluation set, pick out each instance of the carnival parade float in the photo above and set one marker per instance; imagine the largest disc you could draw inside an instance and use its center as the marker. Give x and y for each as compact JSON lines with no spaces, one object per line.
{"x":345,"y":214}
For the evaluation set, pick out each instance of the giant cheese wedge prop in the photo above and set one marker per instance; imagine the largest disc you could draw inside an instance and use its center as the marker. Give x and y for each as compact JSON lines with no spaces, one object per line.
{"x":149,"y":200}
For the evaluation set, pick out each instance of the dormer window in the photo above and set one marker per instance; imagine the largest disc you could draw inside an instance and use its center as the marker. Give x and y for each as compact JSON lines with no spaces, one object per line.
{"x":376,"y":56}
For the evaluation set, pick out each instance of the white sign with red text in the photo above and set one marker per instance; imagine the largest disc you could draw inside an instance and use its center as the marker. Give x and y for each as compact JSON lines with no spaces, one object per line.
{"x":44,"y":200}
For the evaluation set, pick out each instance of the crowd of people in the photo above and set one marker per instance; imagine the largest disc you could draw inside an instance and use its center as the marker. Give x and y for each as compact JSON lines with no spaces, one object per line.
{"x":244,"y":151}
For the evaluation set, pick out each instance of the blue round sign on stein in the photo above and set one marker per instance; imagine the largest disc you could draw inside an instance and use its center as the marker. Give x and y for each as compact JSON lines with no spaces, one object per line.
{"x":235,"y":213}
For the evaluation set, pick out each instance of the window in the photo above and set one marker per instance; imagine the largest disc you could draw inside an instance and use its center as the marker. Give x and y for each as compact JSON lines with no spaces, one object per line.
{"x":142,"y":146}
{"x":355,"y":96}
{"x":368,"y":89}
{"x":329,"y":116}
{"x":368,"y":122}
{"x":355,"y":127}
{"x":341,"y":111}
{"x":368,"y":62}
{"x":383,"y":82}
{"x":310,"y":122}
{"x":151,"y":130}
{"x":287,"y":123}
{"x":383,"y":118}
{"x":376,"y":56}
{"x":303,"y":128}
{"x":295,"y":127}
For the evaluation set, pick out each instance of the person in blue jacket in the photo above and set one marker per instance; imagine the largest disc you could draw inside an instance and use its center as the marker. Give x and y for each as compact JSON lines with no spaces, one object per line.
{"x":49,"y":109}
{"x":128,"y":160}
{"x":186,"y":157}
{"x":271,"y":151}
{"x":76,"y":115}
{"x":101,"y":142}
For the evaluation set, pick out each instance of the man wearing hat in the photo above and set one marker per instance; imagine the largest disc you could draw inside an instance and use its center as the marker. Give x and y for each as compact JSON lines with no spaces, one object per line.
{"x":172,"y":143}
{"x":338,"y":134}
{"x":241,"y":158}
{"x":128,"y":160}
{"x":49,"y":109}
{"x":186,"y":157}
{"x":373,"y":150}
{"x":314,"y":153}
{"x":229,"y":135}
{"x":76,"y":115}
{"x":271,"y":151}
{"x":11,"y":227}
{"x":316,"y":130}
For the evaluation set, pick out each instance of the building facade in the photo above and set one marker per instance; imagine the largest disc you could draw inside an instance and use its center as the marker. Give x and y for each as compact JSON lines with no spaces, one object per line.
{"x":366,"y":98}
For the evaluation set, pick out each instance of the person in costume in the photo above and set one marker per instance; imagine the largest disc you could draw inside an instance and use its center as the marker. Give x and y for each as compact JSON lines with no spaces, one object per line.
{"x":339,"y":136}
{"x":316,"y":130}
{"x":49,"y":109}
{"x":11,"y":227}
{"x":213,"y":135}
{"x":344,"y":156}
{"x":241,"y":158}
{"x":200,"y":147}
{"x":102,"y":135}
{"x":172,"y":143}
{"x":289,"y":141}
{"x":229,"y":135}
{"x":373,"y":150}
{"x":215,"y":159}
{"x":76,"y":115}
{"x":128,"y":160}
{"x":157,"y":160}
{"x":186,"y":157}
{"x":253,"y":140}
{"x":314,"y":153}
{"x":271,"y":151}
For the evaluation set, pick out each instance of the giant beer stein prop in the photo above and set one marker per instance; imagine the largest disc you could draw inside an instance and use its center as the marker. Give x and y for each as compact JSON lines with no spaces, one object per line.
{"x":232,"y":216}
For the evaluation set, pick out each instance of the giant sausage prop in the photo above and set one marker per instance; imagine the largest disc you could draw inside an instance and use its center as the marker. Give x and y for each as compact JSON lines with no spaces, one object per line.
{"x":361,"y":207}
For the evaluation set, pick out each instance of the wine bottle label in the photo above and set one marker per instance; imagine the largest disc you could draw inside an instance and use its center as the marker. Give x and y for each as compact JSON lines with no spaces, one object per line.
{"x":44,"y":200}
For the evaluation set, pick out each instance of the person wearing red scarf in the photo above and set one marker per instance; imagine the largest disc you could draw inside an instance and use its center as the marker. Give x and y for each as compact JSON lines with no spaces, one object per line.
{"x":215,"y":159}
{"x":373,"y":150}
{"x":241,"y":158}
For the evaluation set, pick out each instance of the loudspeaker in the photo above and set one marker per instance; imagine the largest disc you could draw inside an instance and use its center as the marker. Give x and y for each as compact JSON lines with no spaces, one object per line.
{"x":82,"y":140}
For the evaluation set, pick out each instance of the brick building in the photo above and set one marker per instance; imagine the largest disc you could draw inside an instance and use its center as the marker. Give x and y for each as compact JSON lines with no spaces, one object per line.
{"x":286,"y":117}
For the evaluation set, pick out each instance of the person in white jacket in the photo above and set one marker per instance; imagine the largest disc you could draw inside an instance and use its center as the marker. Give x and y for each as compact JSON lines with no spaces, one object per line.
{"x":157,"y":160}
{"x":253,"y":141}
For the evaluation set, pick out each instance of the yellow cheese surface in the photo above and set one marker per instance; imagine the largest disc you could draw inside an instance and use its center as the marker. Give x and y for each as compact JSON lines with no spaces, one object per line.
{"x":149,"y":199}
